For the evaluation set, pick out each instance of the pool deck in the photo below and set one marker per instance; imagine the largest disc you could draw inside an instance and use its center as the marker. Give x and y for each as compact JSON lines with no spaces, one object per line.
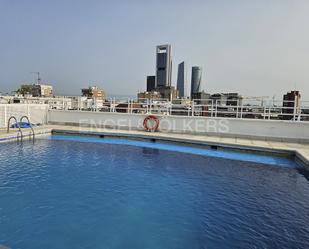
{"x":300,"y":150}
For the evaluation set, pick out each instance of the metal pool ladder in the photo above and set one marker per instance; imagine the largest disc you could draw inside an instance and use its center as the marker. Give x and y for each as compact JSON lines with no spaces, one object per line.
{"x":32,"y":130}
{"x":20,"y":133}
{"x":19,"y":130}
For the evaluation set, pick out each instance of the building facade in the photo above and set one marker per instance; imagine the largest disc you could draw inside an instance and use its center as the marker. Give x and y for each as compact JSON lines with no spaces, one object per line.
{"x":142,"y":96}
{"x":291,"y":105}
{"x":36,"y":90}
{"x":163,"y":66}
{"x":94,"y":92}
{"x":168,"y":93}
{"x":164,"y":93}
{"x":46,"y":90}
{"x":227,"y":99}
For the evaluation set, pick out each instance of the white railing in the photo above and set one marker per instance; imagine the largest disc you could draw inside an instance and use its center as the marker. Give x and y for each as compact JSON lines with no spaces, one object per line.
{"x":247,"y":108}
{"x":37,"y":113}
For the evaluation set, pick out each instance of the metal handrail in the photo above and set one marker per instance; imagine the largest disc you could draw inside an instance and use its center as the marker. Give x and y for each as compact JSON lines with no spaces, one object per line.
{"x":18,"y":126}
{"x":246,"y":108}
{"x":33,"y":135}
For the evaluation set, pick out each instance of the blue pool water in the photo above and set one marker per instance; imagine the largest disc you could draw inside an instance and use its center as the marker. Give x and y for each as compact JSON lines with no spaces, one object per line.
{"x":250,"y":157}
{"x":69,"y":192}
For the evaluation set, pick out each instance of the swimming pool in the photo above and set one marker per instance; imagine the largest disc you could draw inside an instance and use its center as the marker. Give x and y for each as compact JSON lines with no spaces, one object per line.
{"x":81,"y":192}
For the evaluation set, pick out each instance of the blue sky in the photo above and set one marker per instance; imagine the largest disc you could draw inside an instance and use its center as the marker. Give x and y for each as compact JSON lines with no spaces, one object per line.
{"x":257,"y":48}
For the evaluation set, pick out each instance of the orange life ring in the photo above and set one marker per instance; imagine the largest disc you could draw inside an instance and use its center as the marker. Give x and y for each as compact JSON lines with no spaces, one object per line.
{"x":153,"y":119}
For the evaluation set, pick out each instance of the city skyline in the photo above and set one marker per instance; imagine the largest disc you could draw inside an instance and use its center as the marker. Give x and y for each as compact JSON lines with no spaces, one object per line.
{"x":72,"y":50}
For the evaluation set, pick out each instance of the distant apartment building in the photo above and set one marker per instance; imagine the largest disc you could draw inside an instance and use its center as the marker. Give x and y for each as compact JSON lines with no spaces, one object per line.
{"x":163,"y":66}
{"x":227,"y":99}
{"x":291,"y":105}
{"x":201,"y":98}
{"x":54,"y":102}
{"x":60,"y":103}
{"x":182,"y":84}
{"x":218,"y":99}
{"x":151,"y":83}
{"x":142,"y":96}
{"x":168,"y":93}
{"x":129,"y":107}
{"x":181,"y":107}
{"x":93,"y":92}
{"x":36,"y":90}
{"x":234,"y":99}
{"x":46,"y":90}
{"x":95,"y":98}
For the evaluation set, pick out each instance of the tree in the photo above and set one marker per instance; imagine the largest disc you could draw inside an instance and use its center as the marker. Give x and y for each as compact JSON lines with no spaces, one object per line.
{"x":24,"y":89}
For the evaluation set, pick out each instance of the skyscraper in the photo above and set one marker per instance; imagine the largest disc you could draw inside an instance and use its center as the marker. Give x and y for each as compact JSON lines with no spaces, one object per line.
{"x":196,"y":80}
{"x":163,"y":66}
{"x":182,"y":85}
{"x":151,"y":83}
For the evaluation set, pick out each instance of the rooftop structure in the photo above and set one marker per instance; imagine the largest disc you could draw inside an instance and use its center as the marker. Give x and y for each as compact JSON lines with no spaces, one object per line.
{"x":169,"y":93}
{"x":93,"y":92}
{"x":148,"y":95}
{"x":228,"y":99}
{"x":291,"y":105}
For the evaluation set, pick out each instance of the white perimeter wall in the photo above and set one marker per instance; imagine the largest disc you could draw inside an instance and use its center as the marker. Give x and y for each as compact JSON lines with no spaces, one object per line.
{"x":264,"y":129}
{"x":37,"y":113}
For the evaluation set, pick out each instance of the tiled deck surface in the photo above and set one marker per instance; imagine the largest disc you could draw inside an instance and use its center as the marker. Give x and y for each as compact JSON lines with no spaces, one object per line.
{"x":301,"y":150}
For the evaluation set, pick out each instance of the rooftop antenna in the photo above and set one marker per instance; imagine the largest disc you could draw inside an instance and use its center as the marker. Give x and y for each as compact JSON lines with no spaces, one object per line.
{"x":38,"y":79}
